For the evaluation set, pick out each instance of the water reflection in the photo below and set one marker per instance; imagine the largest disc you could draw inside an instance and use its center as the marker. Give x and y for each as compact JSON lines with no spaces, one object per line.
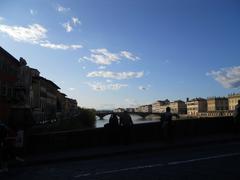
{"x":136,"y":120}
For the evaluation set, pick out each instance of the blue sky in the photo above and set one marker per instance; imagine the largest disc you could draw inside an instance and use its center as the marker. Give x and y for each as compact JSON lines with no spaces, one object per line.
{"x":111,"y":53}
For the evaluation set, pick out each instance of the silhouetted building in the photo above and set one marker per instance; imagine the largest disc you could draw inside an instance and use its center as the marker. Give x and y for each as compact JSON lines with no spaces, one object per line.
{"x":61,"y":104}
{"x":9,"y":67}
{"x":23,"y":85}
{"x":71,"y":107}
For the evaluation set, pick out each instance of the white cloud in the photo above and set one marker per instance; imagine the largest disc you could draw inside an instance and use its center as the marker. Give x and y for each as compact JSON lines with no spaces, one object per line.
{"x":109,"y":81}
{"x":227,"y":77}
{"x":115,"y":75}
{"x":76,"y":46}
{"x":31,"y":34}
{"x":76,"y":21}
{"x":60,"y":8}
{"x":34,"y":34}
{"x":98,"y":86}
{"x":60,"y":46}
{"x":67,"y":26}
{"x":103,"y":56}
{"x":129,"y":55}
{"x":32,"y":12}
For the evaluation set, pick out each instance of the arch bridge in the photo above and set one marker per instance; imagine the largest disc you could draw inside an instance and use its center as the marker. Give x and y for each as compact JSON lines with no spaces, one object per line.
{"x":102,"y":114}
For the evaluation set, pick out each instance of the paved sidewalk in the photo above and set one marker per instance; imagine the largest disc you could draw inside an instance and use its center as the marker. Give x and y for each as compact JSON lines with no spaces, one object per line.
{"x":101,"y":152}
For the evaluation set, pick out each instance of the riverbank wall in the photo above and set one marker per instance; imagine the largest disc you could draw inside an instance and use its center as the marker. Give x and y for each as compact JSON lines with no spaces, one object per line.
{"x":141,"y":133}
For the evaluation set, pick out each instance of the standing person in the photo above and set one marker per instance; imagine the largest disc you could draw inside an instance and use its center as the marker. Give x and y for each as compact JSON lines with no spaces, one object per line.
{"x":236,"y":117}
{"x":113,"y":129}
{"x":3,"y":148}
{"x":126,"y":124}
{"x":166,"y":125}
{"x":113,"y":121}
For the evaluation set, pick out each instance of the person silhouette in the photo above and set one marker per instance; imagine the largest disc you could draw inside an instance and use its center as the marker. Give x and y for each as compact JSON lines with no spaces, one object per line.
{"x":236,"y":117}
{"x":112,"y":129}
{"x":166,"y":125}
{"x":126,"y":125}
{"x":113,"y":121}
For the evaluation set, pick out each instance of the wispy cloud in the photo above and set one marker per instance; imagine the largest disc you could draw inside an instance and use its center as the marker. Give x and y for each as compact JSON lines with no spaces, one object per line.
{"x":31,"y":34}
{"x":60,"y":46}
{"x":103,"y":56}
{"x":98,"y":86}
{"x":61,"y":9}
{"x":129,"y":55}
{"x":34,"y":34}
{"x":76,"y":21}
{"x":33,"y":12}
{"x":227,"y":77}
{"x":116,"y":75}
{"x":67,"y":26}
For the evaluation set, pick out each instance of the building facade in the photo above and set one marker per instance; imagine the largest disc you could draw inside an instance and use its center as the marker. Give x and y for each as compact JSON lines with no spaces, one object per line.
{"x":71,"y":106}
{"x":196,"y":107}
{"x":217,"y":106}
{"x":22,"y":87}
{"x":144,"y":108}
{"x":233,"y":100}
{"x":9,"y":67}
{"x":178,"y":107}
{"x":217,"y":103}
{"x":160,"y":106}
{"x":119,"y":110}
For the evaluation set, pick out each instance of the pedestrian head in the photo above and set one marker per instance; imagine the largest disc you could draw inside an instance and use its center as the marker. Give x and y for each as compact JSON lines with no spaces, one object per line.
{"x":168,"y":109}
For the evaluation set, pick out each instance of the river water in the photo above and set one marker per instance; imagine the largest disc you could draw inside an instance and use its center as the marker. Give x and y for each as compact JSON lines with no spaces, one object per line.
{"x":136,"y":120}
